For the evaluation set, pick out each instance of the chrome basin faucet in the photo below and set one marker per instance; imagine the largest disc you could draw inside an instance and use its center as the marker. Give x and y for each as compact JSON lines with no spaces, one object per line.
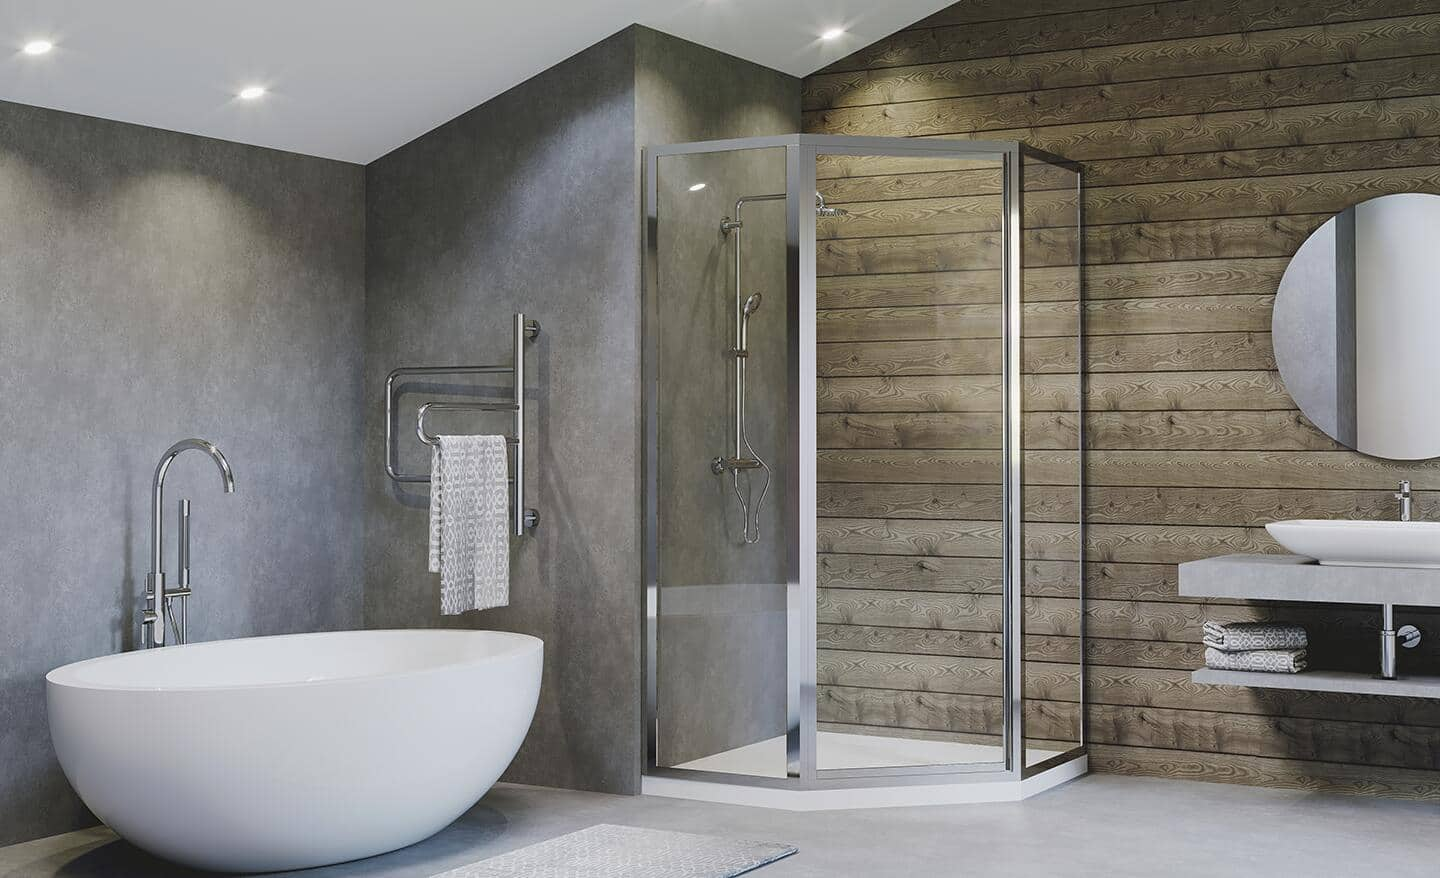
{"x":157,"y":596}
{"x":1403,"y":495}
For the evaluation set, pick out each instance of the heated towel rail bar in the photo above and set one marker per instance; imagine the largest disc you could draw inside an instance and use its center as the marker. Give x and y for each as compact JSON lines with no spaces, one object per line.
{"x":524,"y":330}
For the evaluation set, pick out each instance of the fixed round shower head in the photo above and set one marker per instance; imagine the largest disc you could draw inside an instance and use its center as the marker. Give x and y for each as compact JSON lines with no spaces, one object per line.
{"x":822,"y":211}
{"x":752,"y":304}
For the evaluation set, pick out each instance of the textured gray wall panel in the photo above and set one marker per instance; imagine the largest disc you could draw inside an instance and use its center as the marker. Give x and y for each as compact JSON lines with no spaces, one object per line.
{"x":155,"y":286}
{"x":722,"y":672}
{"x":527,"y":202}
{"x":531,"y":202}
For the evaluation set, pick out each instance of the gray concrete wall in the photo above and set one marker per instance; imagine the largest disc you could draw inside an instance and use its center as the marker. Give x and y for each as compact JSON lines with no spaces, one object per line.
{"x":155,"y":286}
{"x":528,"y":202}
{"x":686,"y":92}
{"x":531,"y":202}
{"x":722,"y":638}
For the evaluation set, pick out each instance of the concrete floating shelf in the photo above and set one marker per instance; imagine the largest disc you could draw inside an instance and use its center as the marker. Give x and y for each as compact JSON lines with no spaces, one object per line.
{"x":1324,"y":681}
{"x":1292,"y":578}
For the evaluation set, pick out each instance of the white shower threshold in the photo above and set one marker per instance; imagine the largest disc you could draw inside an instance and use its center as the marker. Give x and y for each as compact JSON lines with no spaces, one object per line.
{"x":842,"y":751}
{"x":845,"y":751}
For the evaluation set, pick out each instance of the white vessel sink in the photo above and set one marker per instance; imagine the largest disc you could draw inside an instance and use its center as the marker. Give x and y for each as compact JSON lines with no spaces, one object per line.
{"x":1362,"y":543}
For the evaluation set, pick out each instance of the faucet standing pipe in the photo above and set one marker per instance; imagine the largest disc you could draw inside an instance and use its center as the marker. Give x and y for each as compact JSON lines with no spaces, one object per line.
{"x":155,"y":608}
{"x":1407,"y":636}
{"x":1405,"y":498}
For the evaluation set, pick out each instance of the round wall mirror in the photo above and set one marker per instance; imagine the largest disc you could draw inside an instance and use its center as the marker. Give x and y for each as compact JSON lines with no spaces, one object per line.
{"x":1356,"y":327}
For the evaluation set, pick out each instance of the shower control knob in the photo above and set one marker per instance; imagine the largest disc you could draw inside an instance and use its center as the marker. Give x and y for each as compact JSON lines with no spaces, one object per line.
{"x":1408,"y":636}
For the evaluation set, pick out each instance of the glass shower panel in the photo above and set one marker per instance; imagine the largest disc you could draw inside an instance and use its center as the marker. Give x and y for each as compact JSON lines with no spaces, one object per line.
{"x":909,"y":326}
{"x":1051,"y":438}
{"x":722,"y":456}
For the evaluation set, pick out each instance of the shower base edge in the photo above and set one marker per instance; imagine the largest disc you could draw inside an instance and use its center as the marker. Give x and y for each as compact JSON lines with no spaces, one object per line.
{"x":942,"y":792}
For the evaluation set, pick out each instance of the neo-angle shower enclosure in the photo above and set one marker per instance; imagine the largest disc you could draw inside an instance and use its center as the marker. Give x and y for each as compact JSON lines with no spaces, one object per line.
{"x":863,"y":418}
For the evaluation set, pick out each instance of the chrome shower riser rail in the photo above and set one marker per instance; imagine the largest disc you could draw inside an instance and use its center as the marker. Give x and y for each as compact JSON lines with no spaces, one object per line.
{"x":741,"y":351}
{"x":522,"y":517}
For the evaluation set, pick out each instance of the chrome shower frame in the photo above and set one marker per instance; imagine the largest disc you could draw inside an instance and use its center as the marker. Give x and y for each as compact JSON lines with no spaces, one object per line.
{"x":800,"y":514}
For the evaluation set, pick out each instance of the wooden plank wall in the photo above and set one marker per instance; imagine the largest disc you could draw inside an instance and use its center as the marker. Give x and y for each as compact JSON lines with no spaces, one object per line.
{"x":1216,"y":135}
{"x":910,"y":431}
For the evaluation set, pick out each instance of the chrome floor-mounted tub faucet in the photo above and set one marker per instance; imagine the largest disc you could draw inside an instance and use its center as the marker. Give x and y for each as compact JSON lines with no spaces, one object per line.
{"x":158,"y":612}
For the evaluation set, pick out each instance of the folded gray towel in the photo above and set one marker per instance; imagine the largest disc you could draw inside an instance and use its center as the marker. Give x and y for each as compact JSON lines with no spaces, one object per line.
{"x":1278,"y":661}
{"x":1237,"y":636}
{"x":469,"y":522}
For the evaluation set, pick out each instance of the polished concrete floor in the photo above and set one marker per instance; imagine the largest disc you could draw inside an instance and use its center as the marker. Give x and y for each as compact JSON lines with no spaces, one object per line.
{"x":1096,"y":826}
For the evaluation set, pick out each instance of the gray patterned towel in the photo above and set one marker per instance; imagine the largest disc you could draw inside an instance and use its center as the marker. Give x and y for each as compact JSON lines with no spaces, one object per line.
{"x":1238,"y":636}
{"x":469,"y":522}
{"x":1277,"y":661}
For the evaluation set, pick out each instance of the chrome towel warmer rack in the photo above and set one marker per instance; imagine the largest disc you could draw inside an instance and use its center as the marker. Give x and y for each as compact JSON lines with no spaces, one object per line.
{"x":524,"y":330}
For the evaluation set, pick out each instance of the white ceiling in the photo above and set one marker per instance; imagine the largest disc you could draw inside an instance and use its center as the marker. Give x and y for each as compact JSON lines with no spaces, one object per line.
{"x":353,"y":79}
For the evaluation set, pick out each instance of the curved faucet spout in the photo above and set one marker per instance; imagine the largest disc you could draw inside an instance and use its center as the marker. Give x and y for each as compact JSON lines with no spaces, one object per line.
{"x":227,"y":475}
{"x":155,"y":584}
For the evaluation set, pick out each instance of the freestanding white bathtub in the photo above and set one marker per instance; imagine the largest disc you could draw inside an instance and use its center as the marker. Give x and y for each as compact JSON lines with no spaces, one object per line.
{"x":272,"y":753}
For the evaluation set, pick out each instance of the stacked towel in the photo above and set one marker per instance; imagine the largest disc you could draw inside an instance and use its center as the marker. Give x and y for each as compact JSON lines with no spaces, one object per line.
{"x":469,"y":522}
{"x":1256,"y":646}
{"x":1278,"y":661}
{"x":1239,"y":636}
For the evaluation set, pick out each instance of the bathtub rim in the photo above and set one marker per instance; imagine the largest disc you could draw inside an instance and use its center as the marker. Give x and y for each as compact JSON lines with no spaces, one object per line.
{"x":520,"y":646}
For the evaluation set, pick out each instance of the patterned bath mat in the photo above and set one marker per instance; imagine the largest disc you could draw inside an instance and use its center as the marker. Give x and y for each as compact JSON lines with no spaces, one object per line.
{"x":605,"y":850}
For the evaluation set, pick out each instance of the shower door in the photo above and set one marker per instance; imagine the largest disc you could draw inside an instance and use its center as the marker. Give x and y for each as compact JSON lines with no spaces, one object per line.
{"x":719,"y":276}
{"x":910,"y":522}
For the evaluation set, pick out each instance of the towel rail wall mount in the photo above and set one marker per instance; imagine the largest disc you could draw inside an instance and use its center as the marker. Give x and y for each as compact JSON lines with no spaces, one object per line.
{"x":522,"y":517}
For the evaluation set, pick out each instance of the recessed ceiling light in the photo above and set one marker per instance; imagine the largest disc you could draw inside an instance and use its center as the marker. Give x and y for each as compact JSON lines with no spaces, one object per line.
{"x":833,"y":33}
{"x":250,"y":93}
{"x":38,"y":47}
{"x":697,"y":187}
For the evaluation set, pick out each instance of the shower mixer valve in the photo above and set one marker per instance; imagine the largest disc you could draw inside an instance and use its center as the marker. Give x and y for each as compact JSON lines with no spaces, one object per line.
{"x":722,"y":465}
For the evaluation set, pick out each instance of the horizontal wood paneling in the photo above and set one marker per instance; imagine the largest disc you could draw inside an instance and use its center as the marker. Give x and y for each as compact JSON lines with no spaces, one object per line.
{"x":1275,"y":470}
{"x":1287,"y":773}
{"x":1042,"y":321}
{"x":1171,"y":688}
{"x":1127,"y":281}
{"x":1286,"y":87}
{"x":1277,"y":737}
{"x":1094,"y":27}
{"x":1237,"y":238}
{"x":942,"y":322}
{"x":1240,"y":390}
{"x":911,"y":710}
{"x":1402,"y":151}
{"x":1178,"y":352}
{"x":946,"y":356}
{"x":1150,"y":202}
{"x":1216,"y":135}
{"x":1001,"y":10}
{"x":918,"y":673}
{"x":1045,"y":541}
{"x":1159,"y":59}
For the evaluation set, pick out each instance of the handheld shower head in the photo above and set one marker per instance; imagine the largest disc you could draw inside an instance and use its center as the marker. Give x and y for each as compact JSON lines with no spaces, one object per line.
{"x":752,"y":304}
